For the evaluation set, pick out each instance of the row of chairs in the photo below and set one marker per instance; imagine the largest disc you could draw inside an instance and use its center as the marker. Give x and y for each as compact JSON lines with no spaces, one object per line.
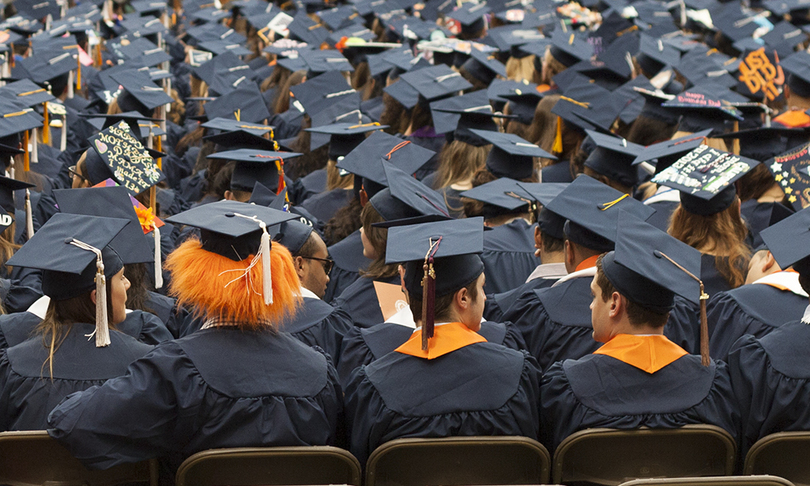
{"x":594,"y":456}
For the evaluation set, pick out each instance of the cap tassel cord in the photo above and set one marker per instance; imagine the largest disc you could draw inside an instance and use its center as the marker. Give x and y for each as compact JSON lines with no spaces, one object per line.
{"x":429,"y":294}
{"x":102,"y":331}
{"x":46,"y":125}
{"x":608,"y":205}
{"x":705,"y":359}
{"x":29,"y":219}
{"x":557,"y":147}
{"x":78,"y":73}
{"x":264,"y":255}
{"x":63,"y":141}
{"x":158,"y":258}
{"x":396,"y":147}
{"x":280,"y":168}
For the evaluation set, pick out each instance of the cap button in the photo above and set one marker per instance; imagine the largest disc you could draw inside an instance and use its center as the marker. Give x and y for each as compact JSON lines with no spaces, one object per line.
{"x":657,"y":254}
{"x":229,"y":215}
{"x":68,"y":240}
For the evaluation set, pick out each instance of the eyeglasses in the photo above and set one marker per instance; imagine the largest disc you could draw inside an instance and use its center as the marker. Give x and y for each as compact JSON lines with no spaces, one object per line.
{"x":72,"y":170}
{"x":327,"y":263}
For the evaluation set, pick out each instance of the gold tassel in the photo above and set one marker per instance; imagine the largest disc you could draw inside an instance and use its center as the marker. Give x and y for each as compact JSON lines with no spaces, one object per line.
{"x":46,"y":130}
{"x":26,"y":155}
{"x":557,"y":148}
{"x":78,"y":72}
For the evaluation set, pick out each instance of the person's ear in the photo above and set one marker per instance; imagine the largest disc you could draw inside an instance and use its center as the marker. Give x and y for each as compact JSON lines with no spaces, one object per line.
{"x":538,"y":241}
{"x":299,"y":266}
{"x":93,"y":296}
{"x":363,"y":197}
{"x":617,"y":303}
{"x":229,"y":196}
{"x":769,"y":262}
{"x":463,"y":299}
{"x":570,"y":254}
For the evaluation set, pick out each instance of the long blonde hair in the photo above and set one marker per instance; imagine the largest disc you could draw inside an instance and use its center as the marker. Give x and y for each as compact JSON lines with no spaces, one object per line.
{"x":458,"y":161}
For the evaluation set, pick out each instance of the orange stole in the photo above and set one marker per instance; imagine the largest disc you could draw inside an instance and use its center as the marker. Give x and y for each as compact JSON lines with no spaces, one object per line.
{"x":446,"y":339}
{"x":587,"y":263}
{"x":647,"y":353}
{"x":793,"y":119}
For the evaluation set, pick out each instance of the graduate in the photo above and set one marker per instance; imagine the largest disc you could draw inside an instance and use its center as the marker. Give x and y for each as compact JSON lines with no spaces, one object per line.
{"x":84,"y":278}
{"x":769,"y":373}
{"x":653,"y":382}
{"x":446,"y":379}
{"x":233,"y":372}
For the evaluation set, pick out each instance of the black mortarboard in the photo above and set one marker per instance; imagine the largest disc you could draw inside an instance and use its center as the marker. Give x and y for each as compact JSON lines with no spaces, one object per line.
{"x":22,"y":25}
{"x":304,"y":29}
{"x":241,"y":138}
{"x":39,"y":10}
{"x":592,"y":209}
{"x":291,"y":234}
{"x":113,"y":202}
{"x":230,"y":228}
{"x":782,"y":7}
{"x":146,"y":7}
{"x":470,"y":119}
{"x":446,"y":112}
{"x":344,"y":137}
{"x":567,"y":48}
{"x":638,"y":269}
{"x":784,"y":38}
{"x":511,"y":156}
{"x":501,"y":196}
{"x":699,"y":69}
{"x":202,"y":33}
{"x":588,"y":106}
{"x":662,"y":155}
{"x":223,"y":73}
{"x":222,"y":46}
{"x":26,"y":92}
{"x":117,"y":154}
{"x":138,"y":48}
{"x":336,"y":17}
{"x":654,"y":54}
{"x":403,"y":93}
{"x":212,"y":15}
{"x":245,"y":103}
{"x":633,"y":100}
{"x":45,"y":65}
{"x":705,"y":177}
{"x":791,"y":171}
{"x":254,"y":166}
{"x":7,"y":188}
{"x":405,"y":197}
{"x":549,"y":222}
{"x":436,"y":82}
{"x":484,"y":67}
{"x":69,"y":270}
{"x":789,"y":242}
{"x":146,"y":93}
{"x":292,"y":64}
{"x":16,"y":118}
{"x":653,"y":99}
{"x":732,"y":23}
{"x":471,"y":16}
{"x":318,"y":61}
{"x":763,"y":143}
{"x":798,"y":68}
{"x":142,"y":26}
{"x":701,"y":109}
{"x":613,"y":158}
{"x":759,"y":74}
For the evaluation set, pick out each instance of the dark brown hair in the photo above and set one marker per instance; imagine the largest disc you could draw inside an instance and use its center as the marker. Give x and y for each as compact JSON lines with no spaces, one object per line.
{"x":442,"y":305}
{"x":378,"y":237}
{"x":637,"y":315}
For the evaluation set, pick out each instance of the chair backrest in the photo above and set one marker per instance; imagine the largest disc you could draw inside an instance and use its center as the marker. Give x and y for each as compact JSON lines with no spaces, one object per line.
{"x":763,"y":480}
{"x":610,"y":456}
{"x":250,"y":466}
{"x":458,"y":461}
{"x":784,"y":454}
{"x":29,"y":458}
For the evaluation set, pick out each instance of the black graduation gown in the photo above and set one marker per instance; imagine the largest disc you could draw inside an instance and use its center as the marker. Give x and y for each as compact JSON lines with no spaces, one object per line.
{"x":359,"y":300}
{"x":26,"y":288}
{"x":497,"y":304}
{"x":713,"y":281}
{"x":761,"y":215}
{"x":771,"y":381}
{"x":143,"y":326}
{"x":193,"y":187}
{"x":480,"y":389}
{"x":319,"y":324}
{"x":508,"y":255}
{"x":349,"y":260}
{"x":361,"y":346}
{"x":308,"y":186}
{"x":27,"y":394}
{"x":754,"y":309}
{"x":663,"y":211}
{"x":601,"y":391}
{"x":216,"y":388}
{"x":324,"y":205}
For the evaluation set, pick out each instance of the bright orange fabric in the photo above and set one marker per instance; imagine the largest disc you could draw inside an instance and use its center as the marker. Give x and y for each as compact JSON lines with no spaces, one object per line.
{"x":587,"y":263}
{"x":793,"y":119}
{"x":647,"y":353}
{"x":446,"y":339}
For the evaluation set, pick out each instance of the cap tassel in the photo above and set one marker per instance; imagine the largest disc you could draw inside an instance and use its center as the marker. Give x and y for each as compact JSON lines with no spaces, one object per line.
{"x":46,"y":125}
{"x":158,"y":258}
{"x":78,"y":73}
{"x":705,"y":358}
{"x":11,"y":59}
{"x":281,"y":183}
{"x":29,"y":218}
{"x":63,"y":141}
{"x":70,"y":85}
{"x":264,"y":255}
{"x":26,"y":155}
{"x":429,"y":294}
{"x":34,"y":147}
{"x":557,"y":147}
{"x":102,"y":331}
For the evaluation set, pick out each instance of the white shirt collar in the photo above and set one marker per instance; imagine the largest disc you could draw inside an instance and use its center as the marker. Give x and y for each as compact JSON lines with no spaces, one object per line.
{"x":305,"y":292}
{"x":806,"y":317}
{"x":548,"y":271}
{"x":585,"y":272}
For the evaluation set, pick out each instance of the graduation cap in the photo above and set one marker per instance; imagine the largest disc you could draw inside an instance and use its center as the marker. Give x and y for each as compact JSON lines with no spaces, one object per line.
{"x":131,"y":244}
{"x":149,"y":7}
{"x":613,"y":158}
{"x":143,"y":26}
{"x":654,"y":54}
{"x":784,"y":37}
{"x":592,"y":209}
{"x":798,"y":68}
{"x":789,"y":242}
{"x":471,"y":16}
{"x":439,"y":258}
{"x":588,"y":106}
{"x":318,"y":61}
{"x":254,"y":165}
{"x":664,"y":154}
{"x":224,"y":73}
{"x":501,"y":196}
{"x":484,"y":67}
{"x":243,"y":139}
{"x":214,"y":32}
{"x":323,"y":92}
{"x":549,"y":222}
{"x":140,"y":125}
{"x":344,"y":137}
{"x":791,"y":170}
{"x":511,"y":155}
{"x":469,"y":119}
{"x":141,"y":94}
{"x":705,"y":177}
{"x":245,"y":103}
{"x":568,"y":49}
{"x":118,"y":154}
{"x":73,"y":252}
{"x":222,"y":46}
{"x":22,"y":25}
{"x":304,"y":29}
{"x":436,"y":82}
{"x":26,"y":92}
{"x":337,"y":17}
{"x":211,"y":15}
{"x":36,"y":9}
{"x":45,"y":65}
{"x":407,"y":198}
{"x":139,"y":49}
{"x":760,"y":75}
{"x":7,"y":188}
{"x":403,"y":93}
{"x":702,"y":109}
{"x":15,"y":117}
{"x":291,"y":234}
{"x":763,"y":143}
{"x":368,"y":159}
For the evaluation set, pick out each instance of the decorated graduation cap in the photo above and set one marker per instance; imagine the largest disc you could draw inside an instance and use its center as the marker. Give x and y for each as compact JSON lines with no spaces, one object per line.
{"x":245,"y":103}
{"x":791,"y":170}
{"x":613,"y":158}
{"x":256,"y":166}
{"x":567,"y":48}
{"x":705,"y":177}
{"x":140,"y":93}
{"x":549,"y":222}
{"x":702,"y":109}
{"x":511,"y":156}
{"x":501,"y":196}
{"x":116,"y":153}
{"x":234,"y":272}
{"x":439,"y":258}
{"x":592,"y":210}
{"x":663,"y":154}
{"x":760,"y":75}
{"x":789,"y":242}
{"x":471,"y":16}
{"x":407,"y":198}
{"x":436,"y":82}
{"x":344,"y":137}
{"x":140,"y":125}
{"x":74,"y":253}
{"x":649,"y":267}
{"x":367,"y":160}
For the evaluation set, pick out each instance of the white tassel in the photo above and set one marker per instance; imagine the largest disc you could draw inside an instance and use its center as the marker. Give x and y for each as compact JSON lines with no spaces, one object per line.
{"x":29,"y":218}
{"x":267,"y":281}
{"x":102,"y":331}
{"x":70,"y":85}
{"x":158,"y":259}
{"x":34,"y":148}
{"x":63,"y":142}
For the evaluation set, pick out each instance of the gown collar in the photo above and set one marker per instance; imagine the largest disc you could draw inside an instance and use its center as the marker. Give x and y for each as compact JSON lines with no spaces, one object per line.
{"x":786,"y":280}
{"x":446,"y":339}
{"x":648,"y":353}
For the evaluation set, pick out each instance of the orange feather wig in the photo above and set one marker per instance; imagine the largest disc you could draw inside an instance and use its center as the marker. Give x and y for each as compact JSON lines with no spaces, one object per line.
{"x":217,"y":287}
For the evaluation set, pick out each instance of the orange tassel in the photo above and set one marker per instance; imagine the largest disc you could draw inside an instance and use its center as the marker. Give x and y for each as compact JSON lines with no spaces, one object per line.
{"x":281,"y":184}
{"x":46,"y":129}
{"x":159,"y":148}
{"x":78,"y":73}
{"x":26,"y":156}
{"x":557,"y":148}
{"x":99,"y":58}
{"x":200,"y":280}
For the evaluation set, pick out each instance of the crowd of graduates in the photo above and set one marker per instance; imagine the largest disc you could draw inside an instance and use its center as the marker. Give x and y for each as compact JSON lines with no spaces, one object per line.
{"x":246,"y":223}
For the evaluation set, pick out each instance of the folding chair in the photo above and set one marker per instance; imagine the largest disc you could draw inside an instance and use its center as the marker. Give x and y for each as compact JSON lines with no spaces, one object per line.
{"x":253,"y":466}
{"x":610,"y":456}
{"x":784,"y":454}
{"x":458,"y":461}
{"x":29,"y":458}
{"x":763,"y":480}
